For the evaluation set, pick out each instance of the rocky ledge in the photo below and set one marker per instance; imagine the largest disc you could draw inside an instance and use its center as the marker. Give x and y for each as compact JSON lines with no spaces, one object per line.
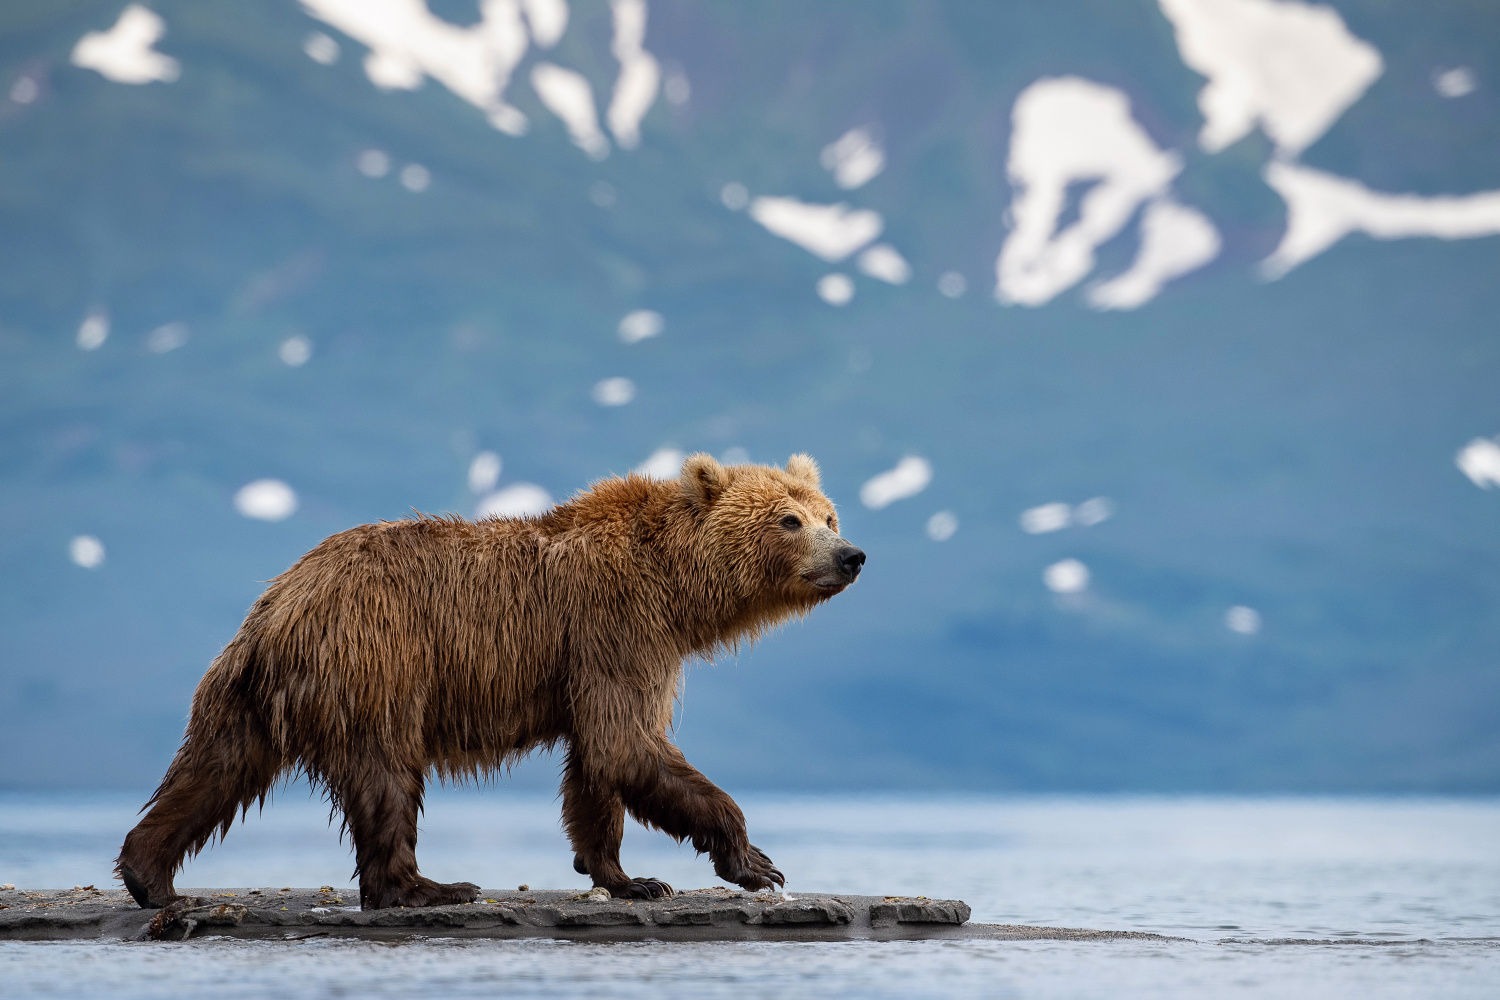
{"x":88,"y":913}
{"x":702,"y":914}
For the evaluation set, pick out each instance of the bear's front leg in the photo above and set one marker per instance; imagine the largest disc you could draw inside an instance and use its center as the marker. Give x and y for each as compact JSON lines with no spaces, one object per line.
{"x":619,"y":758}
{"x":663,"y":790}
{"x":595,"y":820}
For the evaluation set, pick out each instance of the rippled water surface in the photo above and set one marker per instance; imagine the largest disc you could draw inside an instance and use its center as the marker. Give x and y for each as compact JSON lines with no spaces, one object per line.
{"x":1410,"y":887}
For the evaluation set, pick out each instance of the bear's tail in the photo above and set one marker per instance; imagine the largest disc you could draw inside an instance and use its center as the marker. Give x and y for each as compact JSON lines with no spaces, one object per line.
{"x":227,"y":761}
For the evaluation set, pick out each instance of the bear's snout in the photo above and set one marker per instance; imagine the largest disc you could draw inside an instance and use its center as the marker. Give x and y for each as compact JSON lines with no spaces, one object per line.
{"x":833,"y":564}
{"x":850,"y":561}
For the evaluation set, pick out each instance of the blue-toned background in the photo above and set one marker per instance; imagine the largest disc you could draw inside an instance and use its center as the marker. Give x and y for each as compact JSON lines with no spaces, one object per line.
{"x":298,"y":242}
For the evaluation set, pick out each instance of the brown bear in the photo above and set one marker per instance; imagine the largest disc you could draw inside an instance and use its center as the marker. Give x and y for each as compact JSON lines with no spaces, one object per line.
{"x":444,"y":647}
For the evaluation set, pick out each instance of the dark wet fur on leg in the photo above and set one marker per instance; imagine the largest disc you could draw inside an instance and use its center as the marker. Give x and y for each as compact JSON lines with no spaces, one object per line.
{"x":214,"y":779}
{"x":381,"y":801}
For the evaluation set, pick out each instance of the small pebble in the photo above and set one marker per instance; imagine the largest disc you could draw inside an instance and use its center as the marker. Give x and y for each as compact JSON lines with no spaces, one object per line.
{"x":523,"y":887}
{"x":8,"y":887}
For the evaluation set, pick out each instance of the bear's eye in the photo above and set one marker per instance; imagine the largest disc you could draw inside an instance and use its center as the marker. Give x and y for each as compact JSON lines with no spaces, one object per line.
{"x":791,"y":522}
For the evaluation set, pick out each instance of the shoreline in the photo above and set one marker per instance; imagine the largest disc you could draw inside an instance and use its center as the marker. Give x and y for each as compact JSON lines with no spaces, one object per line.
{"x":89,"y":914}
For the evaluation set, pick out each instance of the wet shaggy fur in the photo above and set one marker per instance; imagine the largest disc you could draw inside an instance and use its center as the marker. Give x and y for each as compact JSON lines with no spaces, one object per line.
{"x":398,"y":651}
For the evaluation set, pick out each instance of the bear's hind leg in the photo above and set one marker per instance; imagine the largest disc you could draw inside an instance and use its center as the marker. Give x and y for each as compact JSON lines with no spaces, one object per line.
{"x":213,"y":777}
{"x":595,"y":822}
{"x":381,"y":804}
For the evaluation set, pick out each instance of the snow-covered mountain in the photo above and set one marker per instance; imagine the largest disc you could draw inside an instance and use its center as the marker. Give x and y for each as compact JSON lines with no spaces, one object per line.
{"x":1147,"y":346}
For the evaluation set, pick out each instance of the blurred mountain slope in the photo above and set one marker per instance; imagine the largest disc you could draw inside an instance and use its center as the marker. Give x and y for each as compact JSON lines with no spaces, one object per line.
{"x":1286,"y":446}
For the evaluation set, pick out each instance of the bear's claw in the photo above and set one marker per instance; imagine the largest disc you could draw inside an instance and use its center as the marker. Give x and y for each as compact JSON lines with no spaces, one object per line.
{"x":753,"y":871}
{"x":643,"y":888}
{"x":134,"y":886}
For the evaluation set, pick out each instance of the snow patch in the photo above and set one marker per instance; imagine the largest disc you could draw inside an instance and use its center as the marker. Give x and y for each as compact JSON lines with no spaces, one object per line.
{"x":86,"y":551}
{"x":832,"y":232}
{"x":640,"y":74}
{"x":641,"y":325}
{"x":295,"y":351}
{"x":567,"y":95}
{"x":1291,"y":68}
{"x":124,"y":54}
{"x":93,"y":331}
{"x":321,"y":49}
{"x":1069,"y":130}
{"x":1457,"y":82}
{"x":548,"y":20}
{"x":1480,"y":461}
{"x":373,"y":163}
{"x":1324,"y":208}
{"x":407,"y":42}
{"x":484,"y":472}
{"x":1046,"y":517}
{"x":614,"y":391}
{"x":167,"y":337}
{"x":516,"y":500}
{"x":1245,"y":621}
{"x":882,"y":261}
{"x":836,"y":289}
{"x":1067,"y":576}
{"x":734,"y":196}
{"x":1056,"y":516}
{"x":854,"y":159}
{"x":910,"y":477}
{"x":266,"y":500}
{"x":1175,"y":239}
{"x":942,"y":526}
{"x":415,"y":178}
{"x":663,"y":463}
{"x":1095,"y":511}
{"x":25,"y":90}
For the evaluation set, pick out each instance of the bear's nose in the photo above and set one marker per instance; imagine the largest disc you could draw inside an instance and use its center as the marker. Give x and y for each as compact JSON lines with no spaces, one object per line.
{"x":849,"y":560}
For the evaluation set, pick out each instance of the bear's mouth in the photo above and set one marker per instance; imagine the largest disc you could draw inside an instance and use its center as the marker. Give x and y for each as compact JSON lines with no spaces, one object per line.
{"x":832,"y":586}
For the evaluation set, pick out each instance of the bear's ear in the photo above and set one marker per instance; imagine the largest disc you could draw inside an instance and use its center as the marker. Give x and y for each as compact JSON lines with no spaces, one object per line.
{"x":703,"y":480}
{"x":801,"y":466}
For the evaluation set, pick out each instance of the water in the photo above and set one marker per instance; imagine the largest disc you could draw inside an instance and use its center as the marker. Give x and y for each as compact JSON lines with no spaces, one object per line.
{"x":1421,"y":875}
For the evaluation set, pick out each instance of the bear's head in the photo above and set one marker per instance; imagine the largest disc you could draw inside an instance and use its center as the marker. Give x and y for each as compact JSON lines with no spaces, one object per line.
{"x":773,"y":535}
